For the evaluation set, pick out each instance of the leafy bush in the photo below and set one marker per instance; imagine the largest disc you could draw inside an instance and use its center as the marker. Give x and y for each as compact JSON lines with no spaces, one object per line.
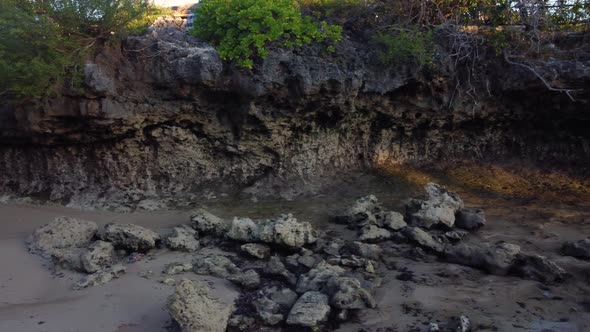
{"x":405,"y":46}
{"x":332,"y":8}
{"x":242,"y":30}
{"x":44,"y":42}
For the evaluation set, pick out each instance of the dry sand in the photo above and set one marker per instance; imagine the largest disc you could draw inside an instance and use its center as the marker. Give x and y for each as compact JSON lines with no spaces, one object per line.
{"x":34,"y":299}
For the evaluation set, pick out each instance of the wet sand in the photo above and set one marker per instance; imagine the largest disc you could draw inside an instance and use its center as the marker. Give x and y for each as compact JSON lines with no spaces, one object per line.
{"x":32,"y":298}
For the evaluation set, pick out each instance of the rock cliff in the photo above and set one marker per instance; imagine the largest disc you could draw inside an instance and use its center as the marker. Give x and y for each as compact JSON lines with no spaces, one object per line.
{"x":163,"y":116}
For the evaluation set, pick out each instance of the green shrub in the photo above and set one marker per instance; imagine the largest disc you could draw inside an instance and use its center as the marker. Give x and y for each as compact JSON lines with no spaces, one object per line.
{"x":43,"y":43}
{"x":332,"y":8}
{"x":405,"y":46}
{"x":242,"y":30}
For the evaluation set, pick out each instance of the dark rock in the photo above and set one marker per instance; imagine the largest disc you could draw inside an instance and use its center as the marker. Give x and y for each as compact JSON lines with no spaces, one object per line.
{"x":455,"y":236}
{"x":268,"y":311}
{"x":470,"y":219}
{"x":285,"y":297}
{"x":539,"y":268}
{"x":579,"y":249}
{"x":495,"y":259}
{"x":275,"y":267}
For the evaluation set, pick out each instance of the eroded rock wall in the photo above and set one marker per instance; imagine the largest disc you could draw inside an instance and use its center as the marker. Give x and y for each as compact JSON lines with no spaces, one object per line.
{"x":164,"y":116}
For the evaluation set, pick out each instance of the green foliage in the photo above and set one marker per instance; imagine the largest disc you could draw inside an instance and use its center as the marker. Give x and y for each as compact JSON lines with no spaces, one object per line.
{"x":242,"y":30}
{"x":332,"y":8}
{"x":405,"y":46}
{"x":43,"y":42}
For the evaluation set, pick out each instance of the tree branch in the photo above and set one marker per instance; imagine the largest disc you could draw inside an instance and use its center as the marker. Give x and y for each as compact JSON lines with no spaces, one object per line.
{"x":532,"y":70}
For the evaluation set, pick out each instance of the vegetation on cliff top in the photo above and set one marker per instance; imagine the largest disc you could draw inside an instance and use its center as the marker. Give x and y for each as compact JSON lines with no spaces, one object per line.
{"x":43,"y":42}
{"x":242,"y":30}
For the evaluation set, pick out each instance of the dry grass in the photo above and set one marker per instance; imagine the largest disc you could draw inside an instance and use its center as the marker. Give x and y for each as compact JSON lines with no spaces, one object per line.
{"x":501,"y":181}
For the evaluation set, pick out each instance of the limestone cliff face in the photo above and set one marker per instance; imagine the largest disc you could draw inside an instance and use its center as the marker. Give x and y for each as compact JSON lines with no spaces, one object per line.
{"x":164,"y":116}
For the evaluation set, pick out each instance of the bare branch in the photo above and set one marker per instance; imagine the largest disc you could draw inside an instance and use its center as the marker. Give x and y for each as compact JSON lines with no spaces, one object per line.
{"x":534,"y":71}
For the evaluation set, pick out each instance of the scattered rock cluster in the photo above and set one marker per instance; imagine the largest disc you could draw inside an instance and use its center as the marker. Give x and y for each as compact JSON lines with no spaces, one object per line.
{"x":441,"y":226}
{"x":81,"y":246}
{"x":290,"y":274}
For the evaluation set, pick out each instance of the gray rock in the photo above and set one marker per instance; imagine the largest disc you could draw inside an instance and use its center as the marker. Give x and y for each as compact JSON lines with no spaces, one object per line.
{"x":455,"y":236}
{"x":539,"y":268}
{"x":394,"y":221}
{"x":423,"y":239}
{"x":310,"y":310}
{"x":287,"y":231}
{"x":69,"y":259}
{"x":241,"y":322}
{"x":129,"y":237}
{"x":308,"y":261}
{"x":244,"y":230}
{"x":168,"y":281}
{"x":98,"y":256}
{"x":215,"y":265}
{"x":374,"y":234}
{"x":98,"y":81}
{"x":440,"y":208}
{"x":292,"y":261}
{"x":285,"y":297}
{"x":464,"y":325}
{"x":101,"y":277}
{"x":177,"y":268}
{"x":207,"y":223}
{"x":332,"y":247}
{"x":62,"y":234}
{"x":365,"y":211}
{"x":371,"y":251}
{"x":347,"y":293}
{"x":433,"y":327}
{"x":470,"y":219}
{"x":353,"y":261}
{"x":579,"y":249}
{"x":268,"y":310}
{"x":276,"y":267}
{"x":256,"y":250}
{"x":247,"y":279}
{"x":195,"y":310}
{"x":496,"y":259}
{"x":317,"y":278}
{"x":183,"y":239}
{"x":439,"y":195}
